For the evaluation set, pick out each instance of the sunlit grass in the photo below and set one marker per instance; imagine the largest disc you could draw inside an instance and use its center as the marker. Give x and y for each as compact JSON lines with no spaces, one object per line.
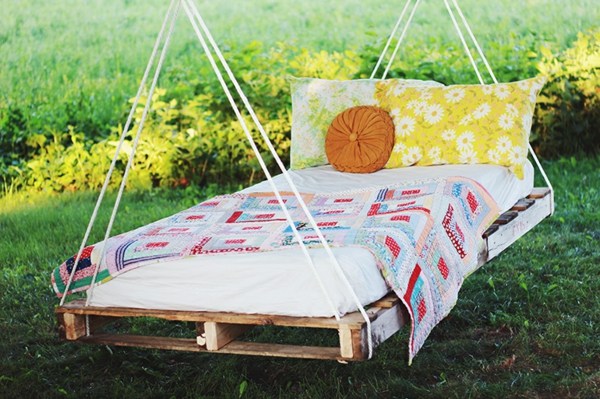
{"x":74,"y":62}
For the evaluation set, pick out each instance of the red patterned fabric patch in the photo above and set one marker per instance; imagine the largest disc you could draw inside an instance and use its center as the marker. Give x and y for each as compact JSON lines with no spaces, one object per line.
{"x":473,"y":203}
{"x":392,"y":245}
{"x":443,"y":268}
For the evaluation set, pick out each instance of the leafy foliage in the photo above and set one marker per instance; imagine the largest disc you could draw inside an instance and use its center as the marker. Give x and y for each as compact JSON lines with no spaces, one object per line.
{"x":569,"y":111}
{"x":191,"y":136}
{"x":191,"y":141}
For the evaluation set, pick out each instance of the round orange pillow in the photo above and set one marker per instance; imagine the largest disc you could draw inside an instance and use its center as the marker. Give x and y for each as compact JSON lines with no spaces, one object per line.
{"x":360,"y":140}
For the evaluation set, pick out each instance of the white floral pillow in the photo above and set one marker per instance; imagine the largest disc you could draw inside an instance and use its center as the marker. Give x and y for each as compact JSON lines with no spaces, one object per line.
{"x":316,"y":102}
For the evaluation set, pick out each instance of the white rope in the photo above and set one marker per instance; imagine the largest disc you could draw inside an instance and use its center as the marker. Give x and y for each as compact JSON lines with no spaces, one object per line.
{"x":389,"y":40}
{"x":475,"y":42}
{"x":261,"y":162}
{"x":493,"y":76}
{"x":286,"y":175}
{"x":117,"y":152}
{"x":541,"y":169}
{"x":400,"y":39}
{"x":133,"y":149}
{"x":464,"y":42}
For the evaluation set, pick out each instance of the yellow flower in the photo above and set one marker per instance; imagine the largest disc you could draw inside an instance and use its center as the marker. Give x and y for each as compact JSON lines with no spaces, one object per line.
{"x":468,"y":155}
{"x":494,"y":156}
{"x":516,"y":155}
{"x":398,"y":89}
{"x":487,"y":89}
{"x":503,"y":144}
{"x":418,"y":107}
{"x":523,"y":85}
{"x":399,"y":147}
{"x":526,"y":121}
{"x":435,"y":153}
{"x":512,"y":110}
{"x":465,"y":120}
{"x":501,"y":91}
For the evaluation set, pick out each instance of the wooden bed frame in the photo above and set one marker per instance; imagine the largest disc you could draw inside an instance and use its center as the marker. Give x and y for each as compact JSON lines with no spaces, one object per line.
{"x":219,"y":332}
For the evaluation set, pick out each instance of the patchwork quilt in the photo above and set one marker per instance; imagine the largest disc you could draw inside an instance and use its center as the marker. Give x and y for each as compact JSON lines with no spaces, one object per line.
{"x":424,"y":236}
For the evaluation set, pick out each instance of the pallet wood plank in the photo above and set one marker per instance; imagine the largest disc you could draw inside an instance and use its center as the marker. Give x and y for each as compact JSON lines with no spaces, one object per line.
{"x":78,"y":307}
{"x":539,"y":193}
{"x":389,"y":322}
{"x":386,"y":302}
{"x":71,"y":326}
{"x":235,"y":347}
{"x":346,"y":347}
{"x":510,"y":232}
{"x":491,"y":230}
{"x":281,"y":350}
{"x":351,"y":345}
{"x":522,"y":205}
{"x":220,"y":334}
{"x":506,"y":217}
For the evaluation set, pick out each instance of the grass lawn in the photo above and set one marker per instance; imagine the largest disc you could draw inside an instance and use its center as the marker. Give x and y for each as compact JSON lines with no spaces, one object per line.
{"x":77,"y":62}
{"x":526,"y":325}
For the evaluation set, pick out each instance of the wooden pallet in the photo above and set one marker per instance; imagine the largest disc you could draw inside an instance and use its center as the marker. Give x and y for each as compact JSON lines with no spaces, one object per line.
{"x":223,"y":332}
{"x":219,"y":332}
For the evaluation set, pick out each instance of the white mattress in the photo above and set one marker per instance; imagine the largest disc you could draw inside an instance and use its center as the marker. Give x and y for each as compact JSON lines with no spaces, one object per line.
{"x":280,"y":282}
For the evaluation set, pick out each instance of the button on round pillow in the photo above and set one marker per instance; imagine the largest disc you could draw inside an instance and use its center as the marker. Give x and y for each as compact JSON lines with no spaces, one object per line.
{"x":360,"y":140}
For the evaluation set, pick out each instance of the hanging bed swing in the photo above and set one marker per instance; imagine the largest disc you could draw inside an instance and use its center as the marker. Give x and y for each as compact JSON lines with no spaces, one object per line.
{"x":317,"y":246}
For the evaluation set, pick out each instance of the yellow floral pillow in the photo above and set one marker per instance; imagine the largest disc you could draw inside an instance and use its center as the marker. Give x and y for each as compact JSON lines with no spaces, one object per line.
{"x":461,"y":124}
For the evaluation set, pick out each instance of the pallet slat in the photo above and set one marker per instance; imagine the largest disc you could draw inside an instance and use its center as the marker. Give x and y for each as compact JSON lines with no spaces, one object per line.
{"x":491,"y":230}
{"x":236,"y":347}
{"x":387,"y":301}
{"x":523,"y":204}
{"x":506,"y":217}
{"x":78,"y":307}
{"x":539,"y":193}
{"x":507,"y":233}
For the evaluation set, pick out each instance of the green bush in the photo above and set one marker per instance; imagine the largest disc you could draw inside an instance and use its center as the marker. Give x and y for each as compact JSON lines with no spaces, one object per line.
{"x":191,"y":136}
{"x":446,"y":62}
{"x":195,"y":141}
{"x":568,"y":117}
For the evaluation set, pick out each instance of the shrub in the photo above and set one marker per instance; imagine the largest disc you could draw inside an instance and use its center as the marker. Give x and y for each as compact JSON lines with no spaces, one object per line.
{"x":192,"y":138}
{"x":446,"y":62}
{"x":568,"y":117}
